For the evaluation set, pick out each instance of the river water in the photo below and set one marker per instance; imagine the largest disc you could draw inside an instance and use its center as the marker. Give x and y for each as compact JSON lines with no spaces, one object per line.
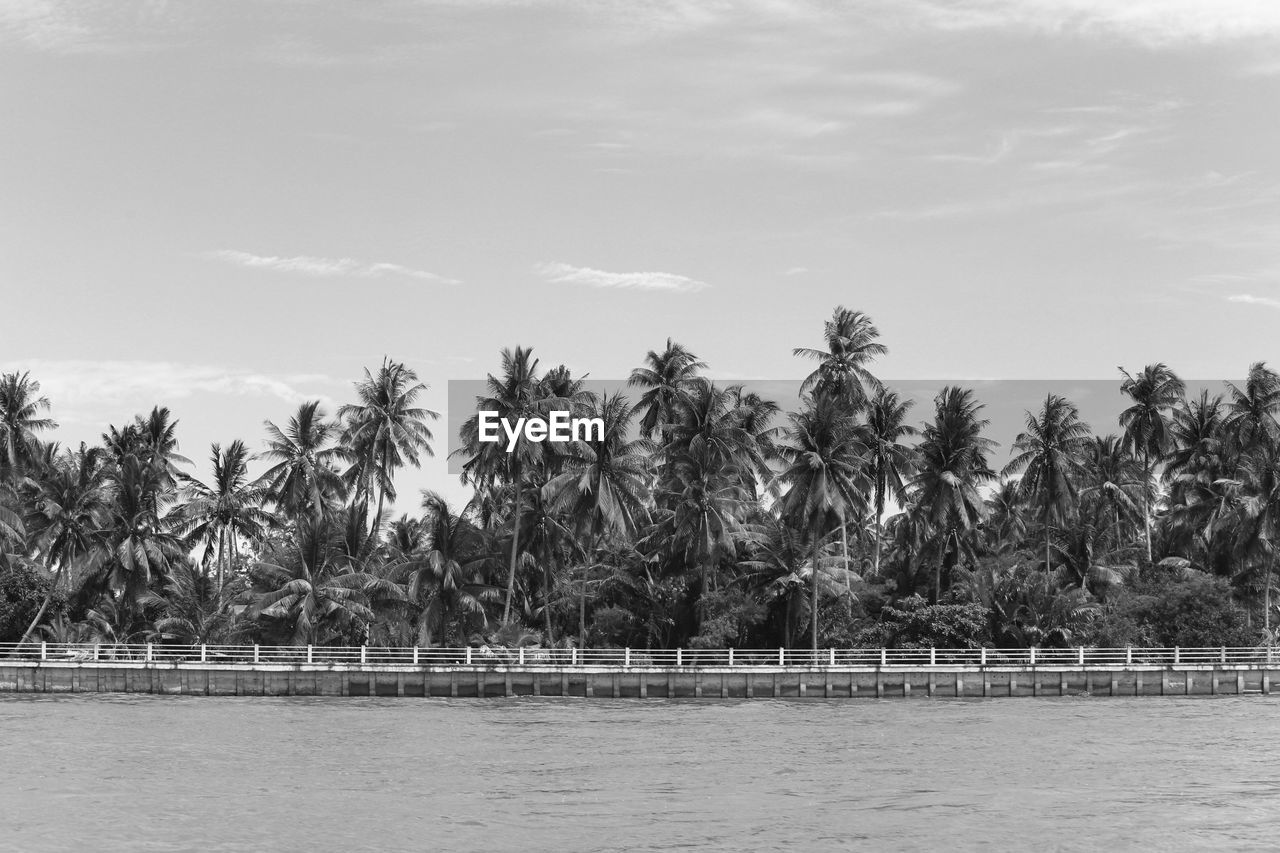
{"x":239,"y":774}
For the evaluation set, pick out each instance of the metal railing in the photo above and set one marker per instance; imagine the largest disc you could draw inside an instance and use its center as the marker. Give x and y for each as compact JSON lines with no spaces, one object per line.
{"x":666,"y":658}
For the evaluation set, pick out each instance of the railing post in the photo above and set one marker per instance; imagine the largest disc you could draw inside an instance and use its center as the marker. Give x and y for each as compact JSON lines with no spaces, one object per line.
{"x":575,"y":656}
{"x":44,"y":650}
{"x":730,"y":657}
{"x":520,"y":656}
{"x":148,"y":652}
{"x":364,"y":655}
{"x":1223,"y":652}
{"x":982,"y":656}
{"x":415,"y":655}
{"x":1080,"y":656}
{"x":256,"y":653}
{"x":1177,"y":653}
{"x":831,"y":657}
{"x":310,"y":649}
{"x":204,"y":653}
{"x":1128,"y":655}
{"x":782,"y":657}
{"x":1032,"y":651}
{"x":679,"y":657}
{"x":626,"y":656}
{"x":884,"y":657}
{"x":96,"y":649}
{"x":933,"y":656}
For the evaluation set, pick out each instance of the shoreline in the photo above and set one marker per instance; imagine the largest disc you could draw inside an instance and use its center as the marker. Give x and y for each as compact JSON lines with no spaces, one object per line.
{"x":611,"y":681}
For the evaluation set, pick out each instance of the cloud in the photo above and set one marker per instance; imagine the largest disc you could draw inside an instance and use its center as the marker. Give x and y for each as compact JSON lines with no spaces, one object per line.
{"x":1155,"y":23}
{"x":558,"y":273}
{"x":1255,"y":300}
{"x":75,"y":383}
{"x":324,"y":267}
{"x":796,"y":271}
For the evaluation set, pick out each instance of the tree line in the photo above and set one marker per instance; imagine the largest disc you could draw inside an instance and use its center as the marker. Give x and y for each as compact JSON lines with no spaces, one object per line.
{"x":703,"y":515}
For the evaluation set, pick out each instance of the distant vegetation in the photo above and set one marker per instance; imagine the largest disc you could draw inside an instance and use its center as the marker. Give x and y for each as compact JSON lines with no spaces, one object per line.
{"x":703,"y":517}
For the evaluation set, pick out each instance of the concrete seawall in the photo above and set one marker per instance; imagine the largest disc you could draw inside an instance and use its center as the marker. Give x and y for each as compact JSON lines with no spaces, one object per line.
{"x":197,"y":679}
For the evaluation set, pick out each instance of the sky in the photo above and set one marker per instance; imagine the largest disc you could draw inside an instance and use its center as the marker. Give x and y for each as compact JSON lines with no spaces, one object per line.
{"x":230,"y":208}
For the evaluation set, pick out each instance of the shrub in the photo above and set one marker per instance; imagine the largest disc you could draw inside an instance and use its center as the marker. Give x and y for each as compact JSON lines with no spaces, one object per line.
{"x":22,"y":590}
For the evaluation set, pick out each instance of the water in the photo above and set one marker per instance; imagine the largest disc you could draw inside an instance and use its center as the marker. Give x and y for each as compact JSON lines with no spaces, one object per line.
{"x":237,"y":774}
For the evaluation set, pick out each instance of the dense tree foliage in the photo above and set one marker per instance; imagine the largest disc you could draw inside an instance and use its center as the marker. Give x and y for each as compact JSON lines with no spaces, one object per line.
{"x":703,"y":516}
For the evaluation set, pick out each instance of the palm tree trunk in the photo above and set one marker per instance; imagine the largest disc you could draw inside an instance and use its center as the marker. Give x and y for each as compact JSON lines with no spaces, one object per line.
{"x":879,"y":522}
{"x":582,"y":601}
{"x":813,"y":601}
{"x":515,"y":552}
{"x":44,"y":605}
{"x":546,"y":598}
{"x":848,"y":576}
{"x":1146,"y":501}
{"x":222,"y":548}
{"x":1266,"y":595}
{"x":937,"y":570}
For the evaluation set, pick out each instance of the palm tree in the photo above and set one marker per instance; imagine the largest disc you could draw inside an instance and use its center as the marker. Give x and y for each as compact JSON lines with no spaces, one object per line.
{"x":603,"y":484}
{"x":385,"y":430}
{"x":842,"y":367}
{"x":1251,"y":412}
{"x":20,"y":420}
{"x":517,"y":394}
{"x":665,"y":377}
{"x":69,"y":505}
{"x":217,"y":515}
{"x":316,"y":588}
{"x":1256,"y":516}
{"x":952,"y":464}
{"x":824,"y":474}
{"x":1006,"y":525}
{"x":135,"y":550}
{"x":1050,"y":453}
{"x":890,"y":461}
{"x":304,"y":477}
{"x":1111,"y":486}
{"x":1154,"y":392}
{"x":447,"y":579}
{"x":196,"y":609}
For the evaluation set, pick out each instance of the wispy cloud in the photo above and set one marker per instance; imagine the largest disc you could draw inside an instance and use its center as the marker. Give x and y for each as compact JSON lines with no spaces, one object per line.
{"x":1248,"y":299}
{"x":1156,"y":23}
{"x":81,"y":385}
{"x":796,"y":271}
{"x":559,"y":273}
{"x":324,"y":267}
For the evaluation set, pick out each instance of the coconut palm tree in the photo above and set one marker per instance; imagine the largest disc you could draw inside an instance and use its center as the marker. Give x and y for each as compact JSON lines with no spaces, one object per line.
{"x":1049,"y":456}
{"x":842,"y":369}
{"x":1154,"y":392}
{"x":1111,"y":488}
{"x":1251,"y":410}
{"x":135,"y":550}
{"x":1006,"y":523}
{"x":823,"y":471}
{"x":603,"y":483}
{"x":217,"y":515}
{"x":1255,"y":516}
{"x":385,"y":430}
{"x":890,"y":462}
{"x":448,"y":579}
{"x":665,"y":376}
{"x":951,"y":466}
{"x":20,"y":420}
{"x":315,"y":589}
{"x":304,"y":478}
{"x":69,"y":505}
